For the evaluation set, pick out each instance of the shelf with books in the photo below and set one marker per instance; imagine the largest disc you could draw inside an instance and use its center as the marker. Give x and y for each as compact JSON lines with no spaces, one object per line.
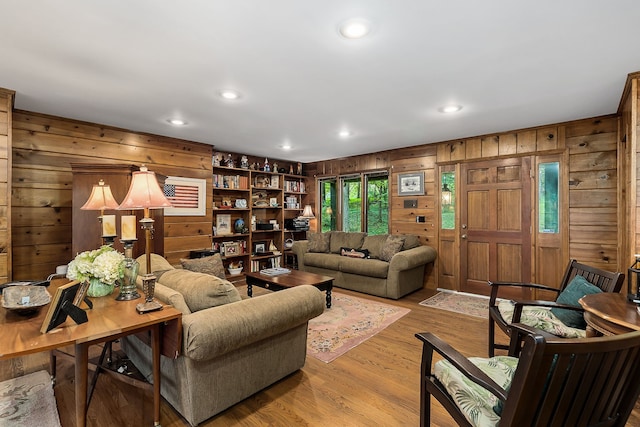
{"x":267,"y":200}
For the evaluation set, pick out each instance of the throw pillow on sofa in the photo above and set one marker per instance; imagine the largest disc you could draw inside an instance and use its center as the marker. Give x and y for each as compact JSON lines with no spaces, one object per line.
{"x":354,"y":253}
{"x":209,"y":265}
{"x":200,"y":290}
{"x":343,"y":239}
{"x":392,"y":246}
{"x":319,"y":242}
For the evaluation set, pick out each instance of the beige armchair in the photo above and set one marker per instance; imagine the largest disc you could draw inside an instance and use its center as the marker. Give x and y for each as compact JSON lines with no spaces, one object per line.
{"x":229,"y":351}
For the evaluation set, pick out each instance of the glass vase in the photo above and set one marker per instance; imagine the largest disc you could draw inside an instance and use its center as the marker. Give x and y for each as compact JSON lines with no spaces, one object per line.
{"x":99,"y":289}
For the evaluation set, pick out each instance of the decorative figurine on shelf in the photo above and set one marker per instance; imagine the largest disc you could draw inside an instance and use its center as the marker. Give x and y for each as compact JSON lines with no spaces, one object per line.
{"x":291,"y":169}
{"x":274,"y":167}
{"x":266,"y":166}
{"x":254,"y":166}
{"x":299,"y":168}
{"x":217,"y":158}
{"x":230,"y":163}
{"x":244,"y":162}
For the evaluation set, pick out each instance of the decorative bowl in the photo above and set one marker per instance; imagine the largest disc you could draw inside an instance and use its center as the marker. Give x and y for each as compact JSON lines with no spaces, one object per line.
{"x":235,"y":271}
{"x":25,"y":299}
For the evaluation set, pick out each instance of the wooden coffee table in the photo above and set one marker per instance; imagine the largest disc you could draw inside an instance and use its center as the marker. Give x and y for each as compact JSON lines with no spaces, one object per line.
{"x":290,"y":280}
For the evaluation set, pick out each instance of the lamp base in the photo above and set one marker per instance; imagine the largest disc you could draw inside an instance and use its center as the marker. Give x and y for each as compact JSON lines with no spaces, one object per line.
{"x":148,"y":306}
{"x":149,"y":285}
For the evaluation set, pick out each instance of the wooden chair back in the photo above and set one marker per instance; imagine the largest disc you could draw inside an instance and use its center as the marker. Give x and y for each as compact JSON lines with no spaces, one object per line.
{"x":585,"y":382}
{"x":606,"y":280}
{"x":558,"y":382}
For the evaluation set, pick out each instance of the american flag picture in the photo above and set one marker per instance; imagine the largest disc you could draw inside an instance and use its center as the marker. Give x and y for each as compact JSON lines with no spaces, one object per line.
{"x":182,"y":195}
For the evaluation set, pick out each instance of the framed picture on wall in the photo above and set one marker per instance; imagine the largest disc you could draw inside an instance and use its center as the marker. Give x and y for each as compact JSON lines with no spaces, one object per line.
{"x":411,"y":184}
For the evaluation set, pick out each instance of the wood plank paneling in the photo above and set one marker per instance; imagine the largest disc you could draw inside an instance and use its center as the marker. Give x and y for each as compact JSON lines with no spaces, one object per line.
{"x":44,"y":149}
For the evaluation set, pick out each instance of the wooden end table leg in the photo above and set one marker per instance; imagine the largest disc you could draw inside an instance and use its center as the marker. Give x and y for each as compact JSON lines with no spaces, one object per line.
{"x":81,"y":371}
{"x":328,"y":297}
{"x":155,"y":346}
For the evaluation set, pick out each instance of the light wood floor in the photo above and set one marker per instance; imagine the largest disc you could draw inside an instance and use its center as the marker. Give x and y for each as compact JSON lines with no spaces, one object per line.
{"x":374,"y":384}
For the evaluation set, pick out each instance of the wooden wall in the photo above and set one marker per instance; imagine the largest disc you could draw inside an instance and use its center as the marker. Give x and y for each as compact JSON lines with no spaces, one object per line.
{"x":43,"y":149}
{"x":6,"y":118}
{"x":588,"y":153}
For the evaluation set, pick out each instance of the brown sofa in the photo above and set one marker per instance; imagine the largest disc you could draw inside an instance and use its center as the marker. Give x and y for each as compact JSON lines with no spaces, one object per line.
{"x":232,"y":348}
{"x":395,"y":266}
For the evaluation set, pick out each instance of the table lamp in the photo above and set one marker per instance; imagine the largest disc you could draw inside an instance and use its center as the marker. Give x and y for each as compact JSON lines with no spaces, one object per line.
{"x":145,"y":193}
{"x":100,"y":199}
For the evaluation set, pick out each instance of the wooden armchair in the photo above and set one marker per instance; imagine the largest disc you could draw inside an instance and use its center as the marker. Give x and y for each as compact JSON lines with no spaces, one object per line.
{"x":605,"y":280}
{"x":554,"y":382}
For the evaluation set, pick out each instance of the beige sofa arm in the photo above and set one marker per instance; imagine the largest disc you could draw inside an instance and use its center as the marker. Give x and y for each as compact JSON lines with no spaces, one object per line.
{"x":218,"y":330}
{"x":411,"y":258}
{"x":300,"y":247}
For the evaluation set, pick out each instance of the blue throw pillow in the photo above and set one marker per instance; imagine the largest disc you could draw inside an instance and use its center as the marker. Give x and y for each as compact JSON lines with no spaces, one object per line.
{"x":578,"y":287}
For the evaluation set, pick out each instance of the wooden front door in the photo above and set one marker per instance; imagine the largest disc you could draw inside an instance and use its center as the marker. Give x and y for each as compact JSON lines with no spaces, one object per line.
{"x":495,"y":223}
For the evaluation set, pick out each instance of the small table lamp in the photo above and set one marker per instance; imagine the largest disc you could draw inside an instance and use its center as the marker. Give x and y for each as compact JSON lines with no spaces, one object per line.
{"x":145,"y":193}
{"x":100,"y":199}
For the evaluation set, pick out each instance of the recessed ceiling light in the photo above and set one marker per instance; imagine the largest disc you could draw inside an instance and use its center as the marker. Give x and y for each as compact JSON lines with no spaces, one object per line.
{"x":450,"y":108}
{"x":354,"y":28}
{"x":345,"y":133}
{"x":229,"y":94}
{"x":177,"y":122}
{"x":286,"y":146}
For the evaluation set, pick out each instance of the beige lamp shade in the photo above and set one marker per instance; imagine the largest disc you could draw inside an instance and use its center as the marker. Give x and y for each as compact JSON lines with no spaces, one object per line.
{"x":144,"y":192}
{"x":100,"y":198}
{"x":307,"y":212}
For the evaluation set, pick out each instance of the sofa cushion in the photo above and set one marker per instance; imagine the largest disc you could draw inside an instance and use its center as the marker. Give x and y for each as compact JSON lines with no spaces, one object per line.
{"x":328,"y":261}
{"x":576,"y":289}
{"x":391,"y":246}
{"x":410,"y":241}
{"x":365,"y":267}
{"x":343,"y":239}
{"x":171,"y":296}
{"x":158,"y":263}
{"x":200,"y":290}
{"x":319,"y":242}
{"x":374,"y":243}
{"x":209,"y":265}
{"x":354,"y":253}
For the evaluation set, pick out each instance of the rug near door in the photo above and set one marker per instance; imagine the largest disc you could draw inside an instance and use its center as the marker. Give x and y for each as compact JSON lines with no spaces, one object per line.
{"x":349,"y":322}
{"x":473,"y":305}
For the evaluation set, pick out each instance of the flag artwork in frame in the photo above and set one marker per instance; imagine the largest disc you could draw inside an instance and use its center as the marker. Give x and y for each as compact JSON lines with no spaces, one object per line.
{"x":187,"y":196}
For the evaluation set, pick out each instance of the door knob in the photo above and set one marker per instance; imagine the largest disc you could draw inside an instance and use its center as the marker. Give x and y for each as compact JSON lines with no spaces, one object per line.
{"x":464,"y":236}
{"x":464,"y":226}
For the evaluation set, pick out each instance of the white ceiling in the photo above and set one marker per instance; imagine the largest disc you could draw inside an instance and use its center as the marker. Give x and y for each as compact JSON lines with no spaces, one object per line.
{"x":134,"y":64}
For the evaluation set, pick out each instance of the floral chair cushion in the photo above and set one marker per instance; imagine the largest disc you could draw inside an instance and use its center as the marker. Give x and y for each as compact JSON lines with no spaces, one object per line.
{"x":540,"y":318}
{"x":475,"y":402}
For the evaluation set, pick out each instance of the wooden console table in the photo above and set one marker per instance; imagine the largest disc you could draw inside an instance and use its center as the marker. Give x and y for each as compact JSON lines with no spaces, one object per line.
{"x":108,"y":320}
{"x":609,"y":314}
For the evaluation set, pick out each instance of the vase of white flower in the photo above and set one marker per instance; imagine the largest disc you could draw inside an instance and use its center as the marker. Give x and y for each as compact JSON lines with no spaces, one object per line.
{"x":100,"y":267}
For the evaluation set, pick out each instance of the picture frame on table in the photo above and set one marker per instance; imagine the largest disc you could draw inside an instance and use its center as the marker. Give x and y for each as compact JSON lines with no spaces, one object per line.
{"x":411,"y":184}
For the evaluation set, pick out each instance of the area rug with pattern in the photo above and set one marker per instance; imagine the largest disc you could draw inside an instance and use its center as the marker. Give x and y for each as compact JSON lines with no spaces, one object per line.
{"x":459,"y":302}
{"x":28,"y":401}
{"x":349,"y":322}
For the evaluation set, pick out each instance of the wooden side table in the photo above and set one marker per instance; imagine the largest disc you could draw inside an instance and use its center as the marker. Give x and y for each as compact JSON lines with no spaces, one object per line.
{"x":609,"y":314}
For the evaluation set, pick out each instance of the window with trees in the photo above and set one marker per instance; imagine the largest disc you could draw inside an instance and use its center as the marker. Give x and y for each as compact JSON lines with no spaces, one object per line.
{"x":355,"y":203}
